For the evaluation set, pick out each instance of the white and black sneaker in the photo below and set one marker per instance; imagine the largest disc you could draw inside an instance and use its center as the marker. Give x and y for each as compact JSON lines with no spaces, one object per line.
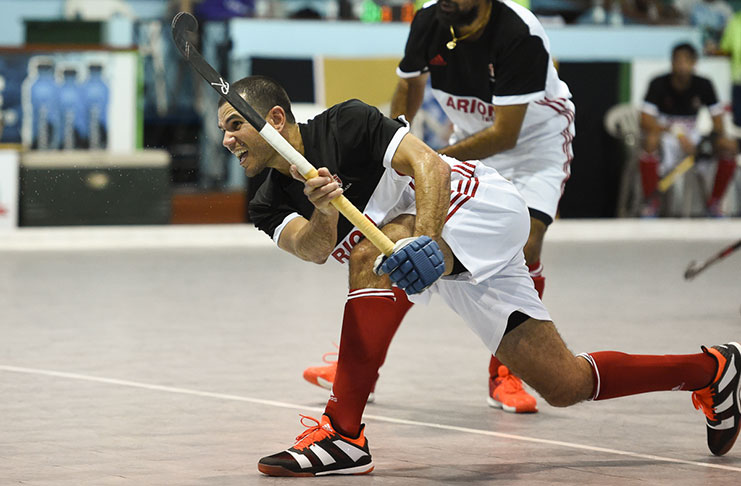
{"x":319,"y":451}
{"x":721,"y":400}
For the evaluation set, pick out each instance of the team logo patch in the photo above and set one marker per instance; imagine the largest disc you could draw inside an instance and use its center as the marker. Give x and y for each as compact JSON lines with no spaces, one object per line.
{"x":339,"y":181}
{"x":438,"y":61}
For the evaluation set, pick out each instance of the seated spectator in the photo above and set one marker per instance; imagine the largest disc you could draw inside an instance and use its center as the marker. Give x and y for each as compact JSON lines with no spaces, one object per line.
{"x":669,"y":132}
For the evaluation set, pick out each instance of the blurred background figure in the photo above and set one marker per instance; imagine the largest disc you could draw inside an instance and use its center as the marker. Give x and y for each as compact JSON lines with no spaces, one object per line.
{"x":730,"y":45}
{"x":710,"y":16}
{"x":669,"y":130}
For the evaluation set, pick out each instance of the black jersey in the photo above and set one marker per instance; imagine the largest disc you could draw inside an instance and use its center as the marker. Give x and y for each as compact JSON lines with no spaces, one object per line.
{"x":354,"y":141}
{"x":667,"y":104}
{"x":509,"y":64}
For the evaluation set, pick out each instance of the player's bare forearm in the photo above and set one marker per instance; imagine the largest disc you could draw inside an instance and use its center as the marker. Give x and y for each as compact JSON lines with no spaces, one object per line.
{"x":408,"y":97}
{"x":312,"y":240}
{"x":499,"y":137}
{"x":431,"y":184}
{"x":478,"y":146}
{"x":719,"y":126}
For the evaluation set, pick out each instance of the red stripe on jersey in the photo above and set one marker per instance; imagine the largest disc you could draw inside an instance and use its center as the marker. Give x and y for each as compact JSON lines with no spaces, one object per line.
{"x":475,"y":187}
{"x":460,"y":203}
{"x":560,"y":107}
{"x":462,"y":195}
{"x":464,"y":169}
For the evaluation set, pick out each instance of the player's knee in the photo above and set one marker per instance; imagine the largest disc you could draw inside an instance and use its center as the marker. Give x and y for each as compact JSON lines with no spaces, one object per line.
{"x":560,"y":398}
{"x":363,"y":255}
{"x":572,"y":385}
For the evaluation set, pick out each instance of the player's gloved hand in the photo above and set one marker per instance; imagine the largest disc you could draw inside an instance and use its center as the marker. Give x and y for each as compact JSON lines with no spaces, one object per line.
{"x":415,"y":264}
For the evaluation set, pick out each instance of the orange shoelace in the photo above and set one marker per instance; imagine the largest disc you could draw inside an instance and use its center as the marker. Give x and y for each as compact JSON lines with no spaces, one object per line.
{"x":313,"y":433}
{"x":704,"y":400}
{"x":509,"y":383}
{"x":336,"y":355}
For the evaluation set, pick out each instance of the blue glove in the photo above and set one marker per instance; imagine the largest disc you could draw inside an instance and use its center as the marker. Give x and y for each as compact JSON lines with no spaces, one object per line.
{"x":415,"y":264}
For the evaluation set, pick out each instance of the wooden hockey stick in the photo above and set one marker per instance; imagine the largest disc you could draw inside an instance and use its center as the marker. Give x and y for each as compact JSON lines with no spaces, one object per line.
{"x":184,"y":26}
{"x":694,"y":268}
{"x":668,"y":180}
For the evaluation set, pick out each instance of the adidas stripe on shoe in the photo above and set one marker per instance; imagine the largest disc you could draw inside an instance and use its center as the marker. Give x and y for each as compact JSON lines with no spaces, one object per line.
{"x":319,"y":451}
{"x":721,"y":400}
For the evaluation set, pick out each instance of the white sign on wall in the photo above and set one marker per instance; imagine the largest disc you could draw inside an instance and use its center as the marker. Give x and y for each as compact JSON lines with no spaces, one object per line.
{"x":8,"y":189}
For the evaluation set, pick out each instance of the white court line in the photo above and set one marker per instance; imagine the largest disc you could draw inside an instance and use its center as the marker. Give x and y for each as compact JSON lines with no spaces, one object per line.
{"x":379,"y":418}
{"x":84,"y":238}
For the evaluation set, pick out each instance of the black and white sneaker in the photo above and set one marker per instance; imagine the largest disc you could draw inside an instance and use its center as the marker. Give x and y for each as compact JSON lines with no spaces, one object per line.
{"x":721,"y":400}
{"x":319,"y":451}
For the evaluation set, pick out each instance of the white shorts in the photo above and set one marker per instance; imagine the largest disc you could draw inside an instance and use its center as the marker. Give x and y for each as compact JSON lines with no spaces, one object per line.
{"x":671,"y":150}
{"x":540,"y":164}
{"x":487,"y":234}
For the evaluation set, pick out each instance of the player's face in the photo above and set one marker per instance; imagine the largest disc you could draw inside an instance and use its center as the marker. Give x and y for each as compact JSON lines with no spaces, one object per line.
{"x":457,"y":12}
{"x":683,"y":64}
{"x":241,"y":139}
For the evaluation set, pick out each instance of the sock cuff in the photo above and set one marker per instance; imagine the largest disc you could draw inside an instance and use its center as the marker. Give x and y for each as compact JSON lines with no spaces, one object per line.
{"x":649,"y":157}
{"x":595,"y":370}
{"x":536,"y":269}
{"x":358,"y":293}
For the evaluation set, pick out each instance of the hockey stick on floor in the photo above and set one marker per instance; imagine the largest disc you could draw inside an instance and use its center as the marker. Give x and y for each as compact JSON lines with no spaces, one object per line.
{"x":184,"y":27}
{"x":694,"y":268}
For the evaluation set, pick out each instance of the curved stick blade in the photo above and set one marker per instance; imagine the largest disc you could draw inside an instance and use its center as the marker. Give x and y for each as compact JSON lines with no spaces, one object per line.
{"x":184,"y":28}
{"x":692,"y":270}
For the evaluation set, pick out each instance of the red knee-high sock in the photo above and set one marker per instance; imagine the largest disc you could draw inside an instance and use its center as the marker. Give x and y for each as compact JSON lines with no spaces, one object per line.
{"x":649,"y":166}
{"x":494,"y":365}
{"x":723,"y":175}
{"x":371,"y":318}
{"x":619,"y":374}
{"x":536,"y":273}
{"x":403,"y":304}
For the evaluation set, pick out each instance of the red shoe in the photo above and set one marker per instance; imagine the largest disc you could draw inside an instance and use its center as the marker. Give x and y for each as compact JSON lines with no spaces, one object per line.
{"x":323,"y":376}
{"x":506,"y":392}
{"x":320,"y":451}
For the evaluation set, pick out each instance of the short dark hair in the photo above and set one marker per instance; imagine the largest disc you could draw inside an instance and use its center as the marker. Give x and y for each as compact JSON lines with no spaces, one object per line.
{"x":262,"y":93}
{"x":687,"y":47}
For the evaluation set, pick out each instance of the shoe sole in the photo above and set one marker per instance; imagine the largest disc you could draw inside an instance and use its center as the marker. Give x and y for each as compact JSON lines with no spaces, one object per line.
{"x":499,"y":405}
{"x":323,"y":383}
{"x":283,"y":472}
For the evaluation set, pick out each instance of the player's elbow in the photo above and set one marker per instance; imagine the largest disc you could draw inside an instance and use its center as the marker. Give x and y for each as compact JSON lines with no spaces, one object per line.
{"x":317,"y":257}
{"x":320,"y":260}
{"x":509,"y":142}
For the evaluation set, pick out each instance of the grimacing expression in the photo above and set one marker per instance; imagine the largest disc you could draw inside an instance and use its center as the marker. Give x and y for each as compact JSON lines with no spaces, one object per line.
{"x":456,"y":12}
{"x":241,"y":139}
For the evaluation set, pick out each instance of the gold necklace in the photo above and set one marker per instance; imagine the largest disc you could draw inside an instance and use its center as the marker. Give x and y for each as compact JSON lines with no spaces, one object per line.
{"x":452,"y":43}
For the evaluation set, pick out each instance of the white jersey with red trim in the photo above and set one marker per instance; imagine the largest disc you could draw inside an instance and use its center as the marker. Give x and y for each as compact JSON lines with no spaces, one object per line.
{"x":509,"y":64}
